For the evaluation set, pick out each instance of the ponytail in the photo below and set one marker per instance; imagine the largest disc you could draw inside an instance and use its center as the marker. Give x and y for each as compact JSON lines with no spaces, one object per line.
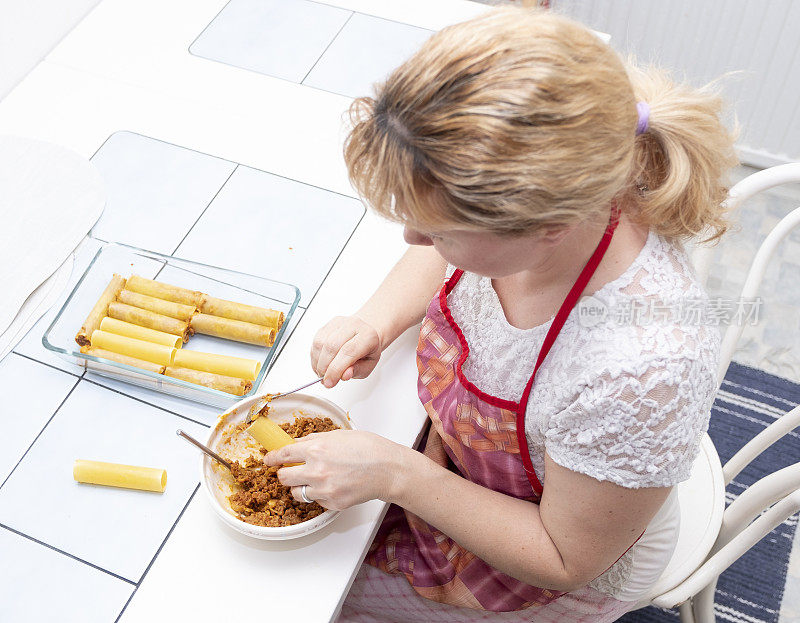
{"x":681,"y":163}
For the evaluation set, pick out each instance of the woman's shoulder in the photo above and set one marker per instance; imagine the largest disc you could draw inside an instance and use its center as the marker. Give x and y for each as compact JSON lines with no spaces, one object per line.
{"x":661,"y":272}
{"x":657,"y":310}
{"x":642,"y":371}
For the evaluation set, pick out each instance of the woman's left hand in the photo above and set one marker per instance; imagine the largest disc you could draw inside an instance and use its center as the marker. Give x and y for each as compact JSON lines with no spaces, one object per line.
{"x":341,"y":468}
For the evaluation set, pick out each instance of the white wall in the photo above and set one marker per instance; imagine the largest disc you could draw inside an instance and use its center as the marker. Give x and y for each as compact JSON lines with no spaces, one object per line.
{"x":706,"y":38}
{"x":29,"y":29}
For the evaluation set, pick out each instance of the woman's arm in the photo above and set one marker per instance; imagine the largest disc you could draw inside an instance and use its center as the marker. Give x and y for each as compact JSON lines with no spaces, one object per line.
{"x":401,"y":300}
{"x":581,"y":527}
{"x":349,"y":346}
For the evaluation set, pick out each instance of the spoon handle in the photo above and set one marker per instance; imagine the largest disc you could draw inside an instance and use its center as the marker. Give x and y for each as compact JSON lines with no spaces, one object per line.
{"x":296,"y":389}
{"x":204,"y":448}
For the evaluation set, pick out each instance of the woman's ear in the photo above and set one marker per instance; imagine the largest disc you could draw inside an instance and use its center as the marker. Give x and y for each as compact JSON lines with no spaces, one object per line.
{"x":553,"y":235}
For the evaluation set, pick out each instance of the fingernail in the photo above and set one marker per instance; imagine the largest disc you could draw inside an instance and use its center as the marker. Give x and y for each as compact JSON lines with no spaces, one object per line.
{"x":327,"y":383}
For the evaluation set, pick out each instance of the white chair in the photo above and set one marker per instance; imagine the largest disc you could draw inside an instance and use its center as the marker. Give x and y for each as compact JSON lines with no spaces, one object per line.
{"x":713,"y":537}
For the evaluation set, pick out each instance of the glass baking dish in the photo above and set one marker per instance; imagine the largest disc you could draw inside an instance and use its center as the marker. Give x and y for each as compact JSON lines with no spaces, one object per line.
{"x":113,"y":257}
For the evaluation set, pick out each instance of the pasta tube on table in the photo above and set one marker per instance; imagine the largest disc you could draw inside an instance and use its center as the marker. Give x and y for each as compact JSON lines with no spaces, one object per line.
{"x":131,"y":361}
{"x":117,"y":475}
{"x":99,"y":310}
{"x":120,"y":327}
{"x":239,"y":311}
{"x":218,"y":364}
{"x":149,"y":319}
{"x":236,"y":330}
{"x":164,"y":291}
{"x":229,"y":384}
{"x":159,"y":306}
{"x":139,"y":349}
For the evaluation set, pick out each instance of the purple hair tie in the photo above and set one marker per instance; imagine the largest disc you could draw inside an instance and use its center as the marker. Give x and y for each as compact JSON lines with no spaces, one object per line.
{"x":644,"y":117}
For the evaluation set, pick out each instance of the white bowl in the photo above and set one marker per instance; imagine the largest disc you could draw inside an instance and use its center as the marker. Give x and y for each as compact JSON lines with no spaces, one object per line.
{"x":281,"y":410}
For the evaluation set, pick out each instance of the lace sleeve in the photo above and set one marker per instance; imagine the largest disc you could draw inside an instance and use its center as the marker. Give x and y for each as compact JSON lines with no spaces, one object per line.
{"x":637,"y":428}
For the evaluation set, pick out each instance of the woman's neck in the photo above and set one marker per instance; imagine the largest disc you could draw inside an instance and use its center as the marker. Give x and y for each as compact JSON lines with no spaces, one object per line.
{"x":560,"y":268}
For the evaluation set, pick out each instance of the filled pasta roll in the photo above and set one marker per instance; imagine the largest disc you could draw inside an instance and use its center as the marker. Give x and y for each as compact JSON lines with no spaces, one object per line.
{"x":218,"y":364}
{"x":139,"y":349}
{"x":149,"y":319}
{"x":229,"y":384}
{"x":126,"y":359}
{"x":164,"y":291}
{"x":92,"y":322}
{"x":239,"y":311}
{"x":117,"y":475}
{"x":159,"y":306}
{"x":120,"y":327}
{"x":236,"y":330}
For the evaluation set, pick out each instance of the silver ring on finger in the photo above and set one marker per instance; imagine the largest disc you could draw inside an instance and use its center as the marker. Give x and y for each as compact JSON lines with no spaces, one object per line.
{"x":303,"y":494}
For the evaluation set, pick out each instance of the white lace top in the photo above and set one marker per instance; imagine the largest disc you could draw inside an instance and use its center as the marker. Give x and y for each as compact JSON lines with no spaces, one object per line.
{"x":624,"y":394}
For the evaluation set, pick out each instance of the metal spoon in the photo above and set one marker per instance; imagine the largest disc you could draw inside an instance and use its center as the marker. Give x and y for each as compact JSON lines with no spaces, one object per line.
{"x":204,"y":448}
{"x":260,"y":404}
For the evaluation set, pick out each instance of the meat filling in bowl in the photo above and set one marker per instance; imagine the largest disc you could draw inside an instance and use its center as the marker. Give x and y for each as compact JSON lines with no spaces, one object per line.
{"x":257,"y":495}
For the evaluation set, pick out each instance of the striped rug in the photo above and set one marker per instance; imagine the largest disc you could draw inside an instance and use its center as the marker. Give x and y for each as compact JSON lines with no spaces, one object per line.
{"x":751,"y":590}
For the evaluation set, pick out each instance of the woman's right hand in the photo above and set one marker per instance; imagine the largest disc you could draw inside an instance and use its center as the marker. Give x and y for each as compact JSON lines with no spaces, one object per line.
{"x":345,"y":348}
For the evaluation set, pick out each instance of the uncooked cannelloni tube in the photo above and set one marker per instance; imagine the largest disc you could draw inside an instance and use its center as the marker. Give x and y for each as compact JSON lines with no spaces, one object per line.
{"x":218,"y":364}
{"x":164,"y":291}
{"x":117,"y":475}
{"x":269,"y":434}
{"x":112,"y":325}
{"x":151,"y":320}
{"x":131,"y":361}
{"x":99,"y":310}
{"x":139,"y":349}
{"x":239,"y":311}
{"x":229,"y":384}
{"x":233,"y":329}
{"x":159,"y":306}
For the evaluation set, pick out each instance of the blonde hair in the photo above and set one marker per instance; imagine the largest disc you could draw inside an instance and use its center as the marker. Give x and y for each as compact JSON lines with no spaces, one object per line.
{"x":522,"y":119}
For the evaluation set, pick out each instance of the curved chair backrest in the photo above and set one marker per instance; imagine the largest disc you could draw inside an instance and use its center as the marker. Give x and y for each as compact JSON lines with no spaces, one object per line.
{"x":775,"y":497}
{"x":701,"y":257}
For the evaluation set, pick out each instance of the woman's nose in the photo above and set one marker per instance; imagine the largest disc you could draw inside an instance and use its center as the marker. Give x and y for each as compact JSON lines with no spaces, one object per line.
{"x":412,"y":236}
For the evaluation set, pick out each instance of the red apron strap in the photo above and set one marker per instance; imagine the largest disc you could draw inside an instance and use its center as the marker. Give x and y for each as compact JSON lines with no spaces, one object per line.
{"x":555,"y":328}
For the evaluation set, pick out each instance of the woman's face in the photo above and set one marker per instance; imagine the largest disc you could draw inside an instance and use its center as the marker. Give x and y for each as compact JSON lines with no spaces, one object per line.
{"x":488,"y":254}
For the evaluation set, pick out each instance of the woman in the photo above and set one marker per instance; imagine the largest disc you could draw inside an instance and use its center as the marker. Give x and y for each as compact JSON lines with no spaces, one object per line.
{"x":530,"y":167}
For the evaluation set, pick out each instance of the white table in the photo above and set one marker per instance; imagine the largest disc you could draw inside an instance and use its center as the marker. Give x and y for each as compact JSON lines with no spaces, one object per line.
{"x":127,"y":67}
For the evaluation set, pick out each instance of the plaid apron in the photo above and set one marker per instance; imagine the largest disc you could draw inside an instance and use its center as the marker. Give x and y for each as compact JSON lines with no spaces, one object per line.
{"x":480,"y":437}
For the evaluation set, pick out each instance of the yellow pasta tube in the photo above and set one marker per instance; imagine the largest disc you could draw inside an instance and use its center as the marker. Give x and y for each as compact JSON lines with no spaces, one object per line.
{"x":164,"y":291}
{"x":159,"y":306}
{"x":233,"y":329}
{"x":131,"y":361}
{"x":117,"y":475}
{"x":229,"y":384}
{"x":156,"y":353}
{"x":120,"y":327}
{"x":239,"y":311}
{"x":269,"y":434}
{"x":218,"y":364}
{"x":99,"y":310}
{"x":151,"y":320}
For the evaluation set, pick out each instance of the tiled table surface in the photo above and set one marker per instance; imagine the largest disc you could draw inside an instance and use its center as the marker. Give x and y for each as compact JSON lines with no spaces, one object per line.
{"x":169,"y":154}
{"x":345,"y":53}
{"x":173,"y":200}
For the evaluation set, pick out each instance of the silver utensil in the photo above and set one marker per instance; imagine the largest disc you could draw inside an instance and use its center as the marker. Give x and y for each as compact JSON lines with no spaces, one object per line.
{"x":260,"y":404}
{"x":204,"y":448}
